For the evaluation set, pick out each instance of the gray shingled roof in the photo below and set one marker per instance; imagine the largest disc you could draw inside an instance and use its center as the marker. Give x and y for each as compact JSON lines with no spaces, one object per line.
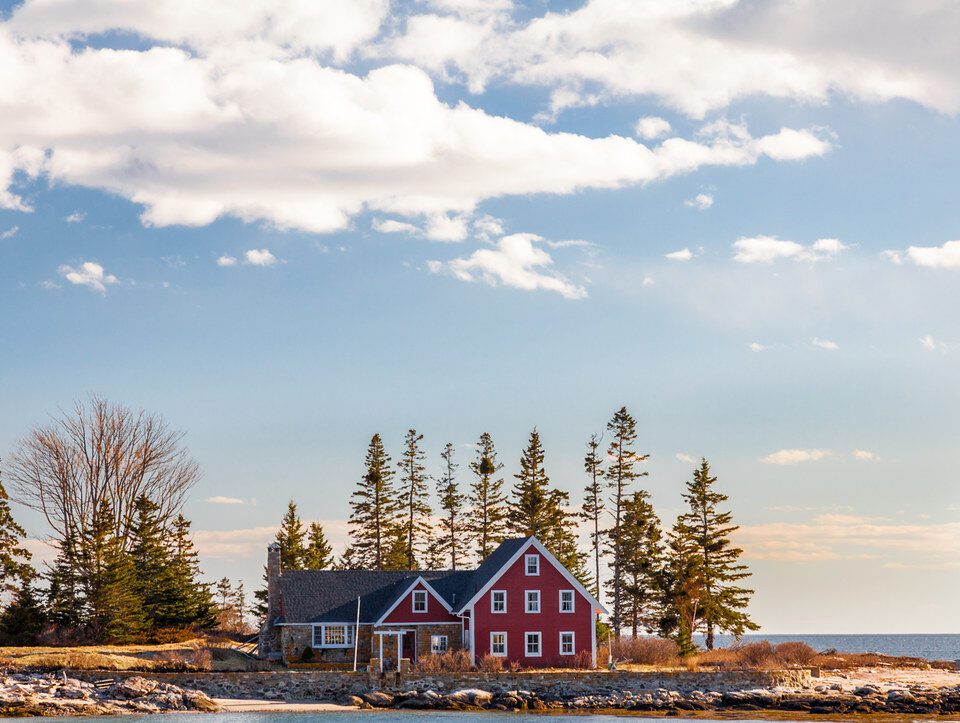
{"x":315,"y":596}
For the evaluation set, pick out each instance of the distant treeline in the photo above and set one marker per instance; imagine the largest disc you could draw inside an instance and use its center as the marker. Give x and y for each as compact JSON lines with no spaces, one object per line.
{"x":111,"y":484}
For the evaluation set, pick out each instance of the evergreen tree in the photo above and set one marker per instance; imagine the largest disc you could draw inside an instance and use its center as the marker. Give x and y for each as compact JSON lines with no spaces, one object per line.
{"x":260,"y":597}
{"x":414,"y":495}
{"x":318,"y":554}
{"x":290,"y":537}
{"x":240,"y":604}
{"x":593,"y":507}
{"x":723,"y":602}
{"x":374,"y":515}
{"x":14,"y":558}
{"x":641,"y":540}
{"x":194,"y":604}
{"x":488,"y":513}
{"x":66,"y":604}
{"x":434,"y":556}
{"x":23,"y":619}
{"x":156,"y":584}
{"x":538,"y":510}
{"x":116,"y":612}
{"x":621,"y":472}
{"x":451,"y":543}
{"x":682,"y":589}
{"x":228,"y":615}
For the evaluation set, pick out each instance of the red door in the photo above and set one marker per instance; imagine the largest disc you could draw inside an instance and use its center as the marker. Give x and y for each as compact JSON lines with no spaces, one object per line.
{"x":410,"y":645}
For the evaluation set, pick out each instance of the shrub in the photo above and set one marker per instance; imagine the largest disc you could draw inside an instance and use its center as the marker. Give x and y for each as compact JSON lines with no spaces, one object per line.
{"x":646,"y":650}
{"x":307,"y":656}
{"x":583,"y":660}
{"x":452,"y":661}
{"x":795,"y":653}
{"x":490,"y":664}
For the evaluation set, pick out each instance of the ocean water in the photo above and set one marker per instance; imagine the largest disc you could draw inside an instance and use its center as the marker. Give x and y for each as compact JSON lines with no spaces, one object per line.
{"x":930,"y":647}
{"x":381,"y":716}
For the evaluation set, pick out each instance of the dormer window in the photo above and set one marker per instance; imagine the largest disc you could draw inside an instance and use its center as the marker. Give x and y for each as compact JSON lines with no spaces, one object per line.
{"x":532,"y":565}
{"x":419,"y":601}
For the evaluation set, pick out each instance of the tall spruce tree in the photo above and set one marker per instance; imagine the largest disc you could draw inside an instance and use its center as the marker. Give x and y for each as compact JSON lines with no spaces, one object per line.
{"x":537,"y":509}
{"x":193,"y":602}
{"x":593,"y":506}
{"x":621,"y":472}
{"x":291,"y":537}
{"x":414,"y":496}
{"x":643,"y":561}
{"x":66,"y":604}
{"x":14,"y":557}
{"x":116,"y":611}
{"x":723,"y":603}
{"x":682,"y":589}
{"x":318,"y":554}
{"x":374,"y":515}
{"x":451,"y":542}
{"x":488,"y":512}
{"x":156,"y":582}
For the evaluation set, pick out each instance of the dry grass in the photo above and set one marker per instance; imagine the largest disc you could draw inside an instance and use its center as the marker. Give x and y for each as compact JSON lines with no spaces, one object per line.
{"x":645,"y":651}
{"x":453,"y":661}
{"x":195,"y":654}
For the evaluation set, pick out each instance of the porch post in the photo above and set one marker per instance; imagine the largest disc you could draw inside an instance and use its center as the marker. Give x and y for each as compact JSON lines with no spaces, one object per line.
{"x":381,"y":651}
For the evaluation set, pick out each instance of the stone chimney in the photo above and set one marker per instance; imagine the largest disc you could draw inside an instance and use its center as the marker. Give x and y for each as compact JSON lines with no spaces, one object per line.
{"x":273,"y":581}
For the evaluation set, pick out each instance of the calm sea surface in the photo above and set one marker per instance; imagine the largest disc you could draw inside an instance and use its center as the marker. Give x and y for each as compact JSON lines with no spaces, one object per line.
{"x":931,"y":647}
{"x":379,"y":716}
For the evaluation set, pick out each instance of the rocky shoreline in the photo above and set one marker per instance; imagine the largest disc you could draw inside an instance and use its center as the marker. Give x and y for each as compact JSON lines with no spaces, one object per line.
{"x":53,"y":694}
{"x":830,"y":700}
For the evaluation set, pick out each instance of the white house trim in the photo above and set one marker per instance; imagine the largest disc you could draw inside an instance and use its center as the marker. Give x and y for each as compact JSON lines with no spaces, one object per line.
{"x":535,"y":543}
{"x":418,"y":581}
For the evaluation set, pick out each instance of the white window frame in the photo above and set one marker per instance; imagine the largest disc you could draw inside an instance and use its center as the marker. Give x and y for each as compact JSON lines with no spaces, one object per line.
{"x":348,"y":636}
{"x":526,"y":601}
{"x":535,"y":559}
{"x":421,"y":595}
{"x":573,"y":601}
{"x":434,"y":647}
{"x":573,"y":642}
{"x":526,"y":645}
{"x":493,"y":605}
{"x":492,"y":652}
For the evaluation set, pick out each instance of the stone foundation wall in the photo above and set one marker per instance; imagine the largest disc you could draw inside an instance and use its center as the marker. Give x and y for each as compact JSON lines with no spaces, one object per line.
{"x":324,"y":685}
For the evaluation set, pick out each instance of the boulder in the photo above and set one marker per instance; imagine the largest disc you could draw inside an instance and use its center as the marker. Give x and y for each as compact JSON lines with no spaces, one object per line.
{"x":133,"y":687}
{"x":349,"y":699}
{"x":378,"y":699}
{"x":198,"y":700}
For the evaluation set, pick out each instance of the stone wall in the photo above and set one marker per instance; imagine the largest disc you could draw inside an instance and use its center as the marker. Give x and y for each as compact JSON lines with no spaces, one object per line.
{"x":325,"y":685}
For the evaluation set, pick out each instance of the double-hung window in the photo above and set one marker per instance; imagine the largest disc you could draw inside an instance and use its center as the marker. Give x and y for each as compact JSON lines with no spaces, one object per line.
{"x":566,"y":601}
{"x":567,"y":646}
{"x":498,"y":644}
{"x":419,"y":601}
{"x":333,"y":636}
{"x":533,"y":645}
{"x":438,"y":644}
{"x":532,"y":564}
{"x":498,"y":601}
{"x":533,"y":601}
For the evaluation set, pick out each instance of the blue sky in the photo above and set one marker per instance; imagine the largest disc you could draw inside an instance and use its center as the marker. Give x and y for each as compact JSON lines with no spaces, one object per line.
{"x":820,"y":379}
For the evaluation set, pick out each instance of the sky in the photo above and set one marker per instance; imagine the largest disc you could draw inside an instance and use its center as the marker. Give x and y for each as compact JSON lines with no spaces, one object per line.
{"x":289,"y":225}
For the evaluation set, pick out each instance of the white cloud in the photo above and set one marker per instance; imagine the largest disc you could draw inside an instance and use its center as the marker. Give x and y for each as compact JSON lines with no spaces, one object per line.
{"x":864,"y":455}
{"x":516,"y":261}
{"x":172,"y":131}
{"x":226,"y":261}
{"x":259,"y":257}
{"x":894,"y":256}
{"x":757,"y":346}
{"x":75,"y":217}
{"x":768,"y":249}
{"x":49,"y":285}
{"x":700,"y":56}
{"x":487,"y":227}
{"x":648,"y":281}
{"x":824,"y":344}
{"x":392,"y":225}
{"x":10,"y":232}
{"x":90,"y":274}
{"x":946,"y":256}
{"x":929,"y":343}
{"x":685,"y":458}
{"x":795,"y":456}
{"x":651,"y":127}
{"x":701,"y":201}
{"x":683,"y":254}
{"x":222,"y":500}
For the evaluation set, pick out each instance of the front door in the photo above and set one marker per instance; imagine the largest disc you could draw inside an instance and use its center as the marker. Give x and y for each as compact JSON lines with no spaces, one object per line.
{"x":410,"y":645}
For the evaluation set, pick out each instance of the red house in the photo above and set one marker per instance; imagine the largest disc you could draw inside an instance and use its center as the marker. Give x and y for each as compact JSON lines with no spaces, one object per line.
{"x":520,"y":604}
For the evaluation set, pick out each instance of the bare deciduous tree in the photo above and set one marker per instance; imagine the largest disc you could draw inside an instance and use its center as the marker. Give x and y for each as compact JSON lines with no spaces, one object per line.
{"x":100,"y":453}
